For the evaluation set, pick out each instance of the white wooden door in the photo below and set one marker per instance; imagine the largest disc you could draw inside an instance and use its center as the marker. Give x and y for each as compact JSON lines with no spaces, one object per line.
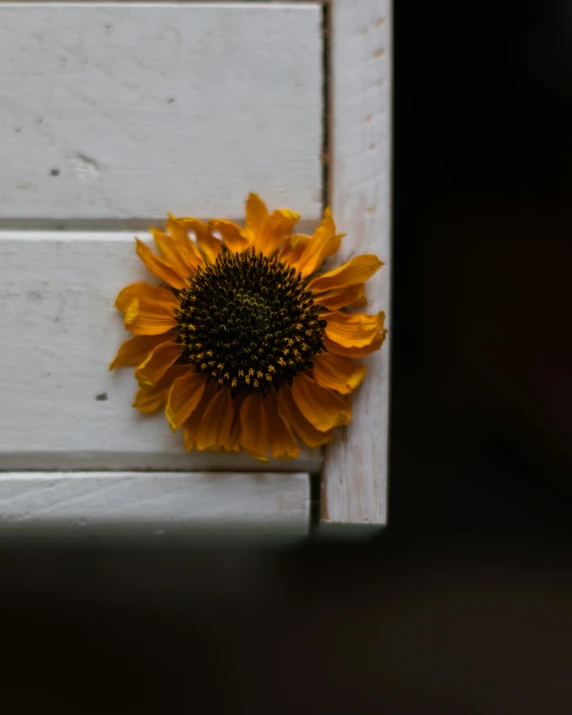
{"x":112,"y":114}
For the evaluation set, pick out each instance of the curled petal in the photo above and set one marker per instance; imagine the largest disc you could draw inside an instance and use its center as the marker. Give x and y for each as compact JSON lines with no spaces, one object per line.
{"x":215,"y":431}
{"x":293,"y":248}
{"x":283,"y":443}
{"x":184,"y":397}
{"x":185,"y":247}
{"x":288,"y":410}
{"x":144,"y":290}
{"x":352,"y":296}
{"x":278,"y":226}
{"x":256,"y":216}
{"x":324,"y":243}
{"x":353,"y":352}
{"x":338,"y":373}
{"x":151,"y":370}
{"x":160,"y":268}
{"x":149,"y":317}
{"x":137,"y":349}
{"x":209,"y":245}
{"x":353,"y":329}
{"x":320,"y":405}
{"x":232,"y":235}
{"x":254,"y":426}
{"x":149,"y":399}
{"x":192,"y":424}
{"x":356,"y":271}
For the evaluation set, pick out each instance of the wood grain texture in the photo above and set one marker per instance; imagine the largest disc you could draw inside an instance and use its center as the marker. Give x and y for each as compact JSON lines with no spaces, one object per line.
{"x":119,"y":111}
{"x":354,"y":486}
{"x":60,"y":407}
{"x":156,"y":504}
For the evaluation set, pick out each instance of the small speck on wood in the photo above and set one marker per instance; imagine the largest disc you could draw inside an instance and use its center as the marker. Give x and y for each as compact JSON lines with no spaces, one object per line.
{"x":101,"y":397}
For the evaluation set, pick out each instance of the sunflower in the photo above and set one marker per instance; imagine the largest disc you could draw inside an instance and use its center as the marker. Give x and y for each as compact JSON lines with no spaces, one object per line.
{"x":245,"y":344}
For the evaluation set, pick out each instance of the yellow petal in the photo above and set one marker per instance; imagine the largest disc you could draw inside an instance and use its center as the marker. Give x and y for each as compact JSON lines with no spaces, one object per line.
{"x":352,"y":296}
{"x":151,"y":370}
{"x":137,"y":349}
{"x":149,"y":399}
{"x":232,"y":235}
{"x":338,"y":373}
{"x":320,"y":406}
{"x":289,"y":411}
{"x":214,"y":432}
{"x":324,"y":243}
{"x":283,"y":443}
{"x":256,"y":215}
{"x":149,"y":317}
{"x":209,"y":245}
{"x":184,"y":397}
{"x":191,"y":426}
{"x":254,"y":427}
{"x":186,"y":248}
{"x":356,"y":271}
{"x":158,"y":267}
{"x":353,"y":329}
{"x":278,"y":226}
{"x":293,"y":248}
{"x":236,"y":429}
{"x":144,"y":290}
{"x":353,"y":352}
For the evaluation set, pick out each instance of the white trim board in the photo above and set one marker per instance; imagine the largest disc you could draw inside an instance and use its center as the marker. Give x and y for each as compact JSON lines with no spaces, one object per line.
{"x":159,"y":505}
{"x":125,"y":111}
{"x":354,"y":485}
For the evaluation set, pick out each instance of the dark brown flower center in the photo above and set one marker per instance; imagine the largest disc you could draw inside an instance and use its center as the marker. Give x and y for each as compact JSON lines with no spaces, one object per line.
{"x":248,"y":321}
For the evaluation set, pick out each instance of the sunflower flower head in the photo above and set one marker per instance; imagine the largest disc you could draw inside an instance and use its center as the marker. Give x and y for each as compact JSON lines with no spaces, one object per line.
{"x":246,"y":344}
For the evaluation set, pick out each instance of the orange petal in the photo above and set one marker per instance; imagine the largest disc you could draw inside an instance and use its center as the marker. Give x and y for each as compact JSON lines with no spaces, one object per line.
{"x":338,"y":373}
{"x":283,"y":443}
{"x":159,"y":267}
{"x":156,"y":365}
{"x":137,"y":349}
{"x":186,"y":248}
{"x":324,"y":243}
{"x":215,"y":429}
{"x":191,"y":426}
{"x":254,"y":427}
{"x":149,"y":399}
{"x":288,"y":410}
{"x":149,"y":317}
{"x":144,"y":290}
{"x":231,"y":234}
{"x":292,"y":249}
{"x":353,"y":329}
{"x":184,"y":397}
{"x":356,"y":271}
{"x":256,"y":216}
{"x":209,"y":245}
{"x":319,"y":405}
{"x":278,"y":226}
{"x":353,"y":352}
{"x":352,"y":296}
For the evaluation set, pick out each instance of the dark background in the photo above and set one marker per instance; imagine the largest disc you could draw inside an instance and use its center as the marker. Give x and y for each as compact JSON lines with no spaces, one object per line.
{"x":464,"y":603}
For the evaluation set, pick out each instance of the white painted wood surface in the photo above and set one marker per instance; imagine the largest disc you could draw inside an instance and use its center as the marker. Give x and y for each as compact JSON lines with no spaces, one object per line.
{"x":60,"y":407}
{"x":129,"y":111}
{"x":354,"y":487}
{"x":160,"y":505}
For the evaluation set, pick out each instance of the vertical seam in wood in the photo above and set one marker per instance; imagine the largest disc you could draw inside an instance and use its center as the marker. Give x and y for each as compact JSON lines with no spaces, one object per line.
{"x":327,"y":106}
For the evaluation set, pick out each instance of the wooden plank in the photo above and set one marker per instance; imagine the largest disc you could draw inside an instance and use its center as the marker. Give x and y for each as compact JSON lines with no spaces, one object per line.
{"x":167,"y":504}
{"x":60,"y":407}
{"x":354,"y":487}
{"x":120,"y":111}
